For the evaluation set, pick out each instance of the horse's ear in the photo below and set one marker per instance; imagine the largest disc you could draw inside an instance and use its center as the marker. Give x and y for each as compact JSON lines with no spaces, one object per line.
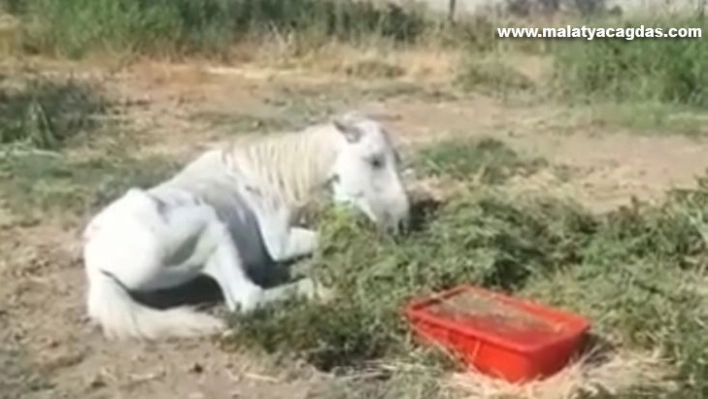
{"x":350,"y":131}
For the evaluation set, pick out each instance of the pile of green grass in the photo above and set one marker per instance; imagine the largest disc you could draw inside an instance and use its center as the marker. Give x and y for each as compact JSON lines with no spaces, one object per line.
{"x":632,"y":271}
{"x":482,"y":239}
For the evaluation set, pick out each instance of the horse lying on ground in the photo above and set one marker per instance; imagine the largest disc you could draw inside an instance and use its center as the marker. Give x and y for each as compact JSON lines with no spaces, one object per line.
{"x":230,"y":210}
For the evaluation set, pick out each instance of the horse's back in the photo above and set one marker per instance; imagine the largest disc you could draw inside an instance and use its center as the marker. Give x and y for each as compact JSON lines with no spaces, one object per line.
{"x":208,"y":179}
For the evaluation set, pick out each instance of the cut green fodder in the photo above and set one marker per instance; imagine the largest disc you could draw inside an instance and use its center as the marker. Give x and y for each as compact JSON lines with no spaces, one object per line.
{"x":627,"y":271}
{"x":480,"y":239}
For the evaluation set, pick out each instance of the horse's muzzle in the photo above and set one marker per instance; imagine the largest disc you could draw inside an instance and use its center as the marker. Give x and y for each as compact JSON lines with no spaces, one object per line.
{"x":397,"y":225}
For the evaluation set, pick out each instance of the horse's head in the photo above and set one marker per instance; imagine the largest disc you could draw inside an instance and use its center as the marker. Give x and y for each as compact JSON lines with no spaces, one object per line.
{"x":366,"y":173}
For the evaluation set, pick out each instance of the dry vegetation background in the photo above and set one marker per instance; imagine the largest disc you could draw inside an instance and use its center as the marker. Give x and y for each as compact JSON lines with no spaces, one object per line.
{"x":571,"y":172}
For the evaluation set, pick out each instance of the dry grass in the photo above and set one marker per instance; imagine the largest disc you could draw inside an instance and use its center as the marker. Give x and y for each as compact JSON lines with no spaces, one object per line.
{"x":593,"y":374}
{"x":381,"y":62}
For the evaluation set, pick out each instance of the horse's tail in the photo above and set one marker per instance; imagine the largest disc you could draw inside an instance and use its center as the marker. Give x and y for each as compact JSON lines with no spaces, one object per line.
{"x":120,"y":316}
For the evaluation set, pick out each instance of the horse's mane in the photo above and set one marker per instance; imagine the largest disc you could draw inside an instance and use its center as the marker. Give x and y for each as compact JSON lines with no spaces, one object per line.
{"x":292,"y":164}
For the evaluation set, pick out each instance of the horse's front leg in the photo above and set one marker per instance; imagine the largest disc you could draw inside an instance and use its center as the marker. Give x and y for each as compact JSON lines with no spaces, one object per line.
{"x":241,"y":294}
{"x":226,"y":267}
{"x":283,"y":242}
{"x":305,"y":287}
{"x":296,"y":242}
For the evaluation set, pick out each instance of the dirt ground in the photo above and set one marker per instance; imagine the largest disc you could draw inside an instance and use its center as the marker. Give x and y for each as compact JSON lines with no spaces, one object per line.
{"x":47,"y":348}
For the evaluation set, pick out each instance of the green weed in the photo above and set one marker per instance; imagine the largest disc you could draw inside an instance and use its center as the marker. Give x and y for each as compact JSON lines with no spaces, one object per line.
{"x":651,"y":118}
{"x":645,"y":70}
{"x":488,"y":160}
{"x":45,"y":114}
{"x":184,"y":27}
{"x":491,"y":75}
{"x":38,"y":184}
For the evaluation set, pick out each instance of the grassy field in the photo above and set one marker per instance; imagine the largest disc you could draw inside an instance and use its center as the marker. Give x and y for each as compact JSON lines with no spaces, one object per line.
{"x":68,"y":146}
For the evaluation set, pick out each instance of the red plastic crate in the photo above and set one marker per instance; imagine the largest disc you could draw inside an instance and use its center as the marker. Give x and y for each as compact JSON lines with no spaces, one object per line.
{"x":514,"y":353}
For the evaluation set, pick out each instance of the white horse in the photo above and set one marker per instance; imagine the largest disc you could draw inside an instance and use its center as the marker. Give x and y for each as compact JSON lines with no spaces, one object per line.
{"x":228,"y":211}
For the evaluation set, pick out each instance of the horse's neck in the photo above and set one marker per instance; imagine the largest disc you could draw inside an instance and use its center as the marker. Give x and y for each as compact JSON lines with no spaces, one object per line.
{"x":296,"y":165}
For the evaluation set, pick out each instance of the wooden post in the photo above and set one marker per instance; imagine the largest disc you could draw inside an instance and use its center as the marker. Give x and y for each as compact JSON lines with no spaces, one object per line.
{"x":451,"y":10}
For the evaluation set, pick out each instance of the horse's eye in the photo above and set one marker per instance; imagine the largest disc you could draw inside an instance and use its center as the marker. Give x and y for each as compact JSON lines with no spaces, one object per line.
{"x":377,"y":162}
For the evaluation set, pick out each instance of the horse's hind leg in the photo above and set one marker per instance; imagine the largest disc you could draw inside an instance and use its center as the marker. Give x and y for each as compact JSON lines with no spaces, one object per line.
{"x":226,"y":268}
